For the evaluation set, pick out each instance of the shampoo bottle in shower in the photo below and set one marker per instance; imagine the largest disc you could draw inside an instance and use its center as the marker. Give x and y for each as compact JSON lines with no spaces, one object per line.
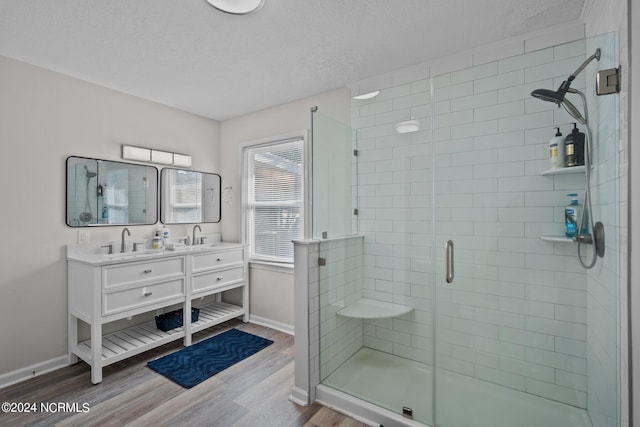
{"x":571,"y":216}
{"x":554,"y":161}
{"x":574,"y":145}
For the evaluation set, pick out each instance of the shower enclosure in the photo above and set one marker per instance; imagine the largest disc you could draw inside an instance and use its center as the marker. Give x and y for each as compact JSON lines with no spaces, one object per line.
{"x":448,"y":294}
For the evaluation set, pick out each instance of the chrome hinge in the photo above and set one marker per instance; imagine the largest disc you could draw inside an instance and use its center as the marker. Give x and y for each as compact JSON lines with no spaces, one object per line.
{"x":322,"y":262}
{"x":608,"y":81}
{"x":356,"y":152}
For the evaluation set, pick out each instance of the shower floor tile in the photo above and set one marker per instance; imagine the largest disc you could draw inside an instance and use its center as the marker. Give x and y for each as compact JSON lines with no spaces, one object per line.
{"x":393,"y":382}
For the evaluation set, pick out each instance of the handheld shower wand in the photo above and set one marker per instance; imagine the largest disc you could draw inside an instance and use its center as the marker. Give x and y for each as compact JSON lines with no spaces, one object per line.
{"x":559,"y":97}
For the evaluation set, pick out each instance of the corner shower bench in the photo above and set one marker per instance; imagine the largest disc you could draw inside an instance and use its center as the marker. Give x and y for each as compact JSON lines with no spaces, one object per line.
{"x":366,"y":308}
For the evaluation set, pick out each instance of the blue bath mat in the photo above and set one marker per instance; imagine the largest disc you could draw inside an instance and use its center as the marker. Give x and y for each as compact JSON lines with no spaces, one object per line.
{"x":192,"y":365}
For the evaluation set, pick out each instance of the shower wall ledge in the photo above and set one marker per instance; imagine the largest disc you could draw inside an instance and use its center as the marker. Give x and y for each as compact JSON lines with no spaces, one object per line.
{"x":366,"y":308}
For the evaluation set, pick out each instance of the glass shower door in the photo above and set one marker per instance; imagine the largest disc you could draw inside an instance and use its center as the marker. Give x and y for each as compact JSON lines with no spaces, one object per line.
{"x":375,"y":289}
{"x":521,"y":328}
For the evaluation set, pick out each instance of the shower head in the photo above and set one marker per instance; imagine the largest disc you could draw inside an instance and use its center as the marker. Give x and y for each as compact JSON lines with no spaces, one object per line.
{"x":88,"y":173}
{"x":558,"y":96}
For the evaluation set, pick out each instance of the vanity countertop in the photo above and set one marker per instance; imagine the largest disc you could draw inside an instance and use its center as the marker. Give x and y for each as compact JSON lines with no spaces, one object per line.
{"x":95,"y":256}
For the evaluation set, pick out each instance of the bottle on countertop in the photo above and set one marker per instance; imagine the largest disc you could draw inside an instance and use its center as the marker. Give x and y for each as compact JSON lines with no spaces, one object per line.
{"x":574,"y":146}
{"x":556,"y":150}
{"x":157,"y":241}
{"x":166,"y":235}
{"x":572,"y":216}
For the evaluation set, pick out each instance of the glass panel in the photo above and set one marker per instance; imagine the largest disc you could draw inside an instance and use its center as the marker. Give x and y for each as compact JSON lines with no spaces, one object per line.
{"x":189,"y":197}
{"x":375,"y":289}
{"x":102,"y":192}
{"x":521,"y":331}
{"x":334,"y":172}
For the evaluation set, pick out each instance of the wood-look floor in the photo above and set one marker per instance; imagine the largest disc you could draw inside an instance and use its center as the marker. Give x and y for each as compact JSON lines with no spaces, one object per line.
{"x":253,"y":392}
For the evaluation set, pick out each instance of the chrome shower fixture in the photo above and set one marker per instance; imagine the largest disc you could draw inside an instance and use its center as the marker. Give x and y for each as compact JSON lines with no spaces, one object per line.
{"x":558,"y":96}
{"x":596,"y":235}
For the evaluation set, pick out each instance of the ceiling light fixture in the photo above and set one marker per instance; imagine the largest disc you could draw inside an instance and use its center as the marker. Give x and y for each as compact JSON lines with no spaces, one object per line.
{"x":408,"y":126}
{"x":368,"y":95}
{"x":237,"y":7}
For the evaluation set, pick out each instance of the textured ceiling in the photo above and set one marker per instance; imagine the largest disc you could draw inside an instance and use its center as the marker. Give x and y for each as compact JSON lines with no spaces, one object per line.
{"x":188,"y":55}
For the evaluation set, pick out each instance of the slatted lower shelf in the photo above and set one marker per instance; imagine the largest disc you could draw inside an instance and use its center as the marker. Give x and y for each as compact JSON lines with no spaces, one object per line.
{"x":140,"y":338}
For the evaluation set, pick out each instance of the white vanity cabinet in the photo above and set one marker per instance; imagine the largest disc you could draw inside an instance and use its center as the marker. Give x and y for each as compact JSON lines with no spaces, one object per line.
{"x":103,"y":289}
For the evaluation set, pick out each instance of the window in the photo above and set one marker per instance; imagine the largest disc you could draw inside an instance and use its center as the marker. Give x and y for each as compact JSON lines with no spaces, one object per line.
{"x":274,"y":198}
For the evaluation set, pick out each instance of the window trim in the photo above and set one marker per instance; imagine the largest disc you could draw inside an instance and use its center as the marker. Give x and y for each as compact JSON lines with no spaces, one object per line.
{"x":306,"y":184}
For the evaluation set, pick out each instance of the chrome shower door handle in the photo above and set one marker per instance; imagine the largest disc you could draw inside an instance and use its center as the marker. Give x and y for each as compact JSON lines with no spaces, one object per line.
{"x":448,"y":260}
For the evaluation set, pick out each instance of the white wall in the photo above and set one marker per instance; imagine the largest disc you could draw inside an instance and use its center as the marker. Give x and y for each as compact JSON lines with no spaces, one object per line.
{"x":269,"y":123}
{"x":44,"y":118}
{"x":634,"y":202}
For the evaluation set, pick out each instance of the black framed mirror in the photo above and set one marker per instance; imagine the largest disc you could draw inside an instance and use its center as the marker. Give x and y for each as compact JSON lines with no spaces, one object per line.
{"x":104,"y":192}
{"x":189,"y":197}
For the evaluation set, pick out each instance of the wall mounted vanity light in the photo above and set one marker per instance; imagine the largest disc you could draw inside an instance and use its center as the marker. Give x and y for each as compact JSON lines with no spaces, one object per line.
{"x":130,"y":152}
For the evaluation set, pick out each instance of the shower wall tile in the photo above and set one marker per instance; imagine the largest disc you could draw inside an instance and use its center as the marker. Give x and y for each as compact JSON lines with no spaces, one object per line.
{"x":516,"y":314}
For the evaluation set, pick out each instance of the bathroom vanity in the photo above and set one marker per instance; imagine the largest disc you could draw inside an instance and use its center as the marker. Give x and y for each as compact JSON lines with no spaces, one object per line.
{"x":104,"y":288}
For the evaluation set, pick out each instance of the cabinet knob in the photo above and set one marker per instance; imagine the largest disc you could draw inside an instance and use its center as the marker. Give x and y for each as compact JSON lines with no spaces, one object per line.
{"x":219,"y":259}
{"x":219,"y":278}
{"x":148,"y":271}
{"x":148,"y":294}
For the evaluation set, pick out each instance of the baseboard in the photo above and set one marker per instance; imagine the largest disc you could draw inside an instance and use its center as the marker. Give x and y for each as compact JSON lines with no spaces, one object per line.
{"x":32,"y":371}
{"x":299,"y":397}
{"x":278,"y":326}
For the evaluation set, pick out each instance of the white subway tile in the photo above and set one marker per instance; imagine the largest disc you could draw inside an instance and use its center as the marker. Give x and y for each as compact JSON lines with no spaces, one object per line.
{"x":454,"y":91}
{"x":527,"y":121}
{"x":531,"y":308}
{"x":475,"y":72}
{"x":571,"y":347}
{"x":527,"y":338}
{"x":500,"y":377}
{"x":474,"y":101}
{"x":502,"y":140}
{"x":552,"y":69}
{"x":488,"y":127}
{"x":558,"y":393}
{"x":497,"y":111}
{"x":516,"y":93}
{"x":497,"y":170}
{"x":500,"y":81}
{"x":531,"y":370}
{"x":501,"y":348}
{"x":454,"y":119}
{"x":499,"y":318}
{"x":556,"y":327}
{"x":571,"y":313}
{"x":521,"y":62}
{"x":571,"y":380}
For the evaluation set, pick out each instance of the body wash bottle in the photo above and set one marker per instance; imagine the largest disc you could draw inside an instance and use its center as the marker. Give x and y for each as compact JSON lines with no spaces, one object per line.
{"x":572,"y":216}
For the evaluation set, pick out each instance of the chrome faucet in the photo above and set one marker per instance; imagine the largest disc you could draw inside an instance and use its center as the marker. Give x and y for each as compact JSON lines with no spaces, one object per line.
{"x":193,"y":239}
{"x":122,"y":247}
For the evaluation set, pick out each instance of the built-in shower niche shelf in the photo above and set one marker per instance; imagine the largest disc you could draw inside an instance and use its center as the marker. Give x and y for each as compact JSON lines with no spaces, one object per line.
{"x":562,"y":239}
{"x":366,"y":308}
{"x":563,"y":171}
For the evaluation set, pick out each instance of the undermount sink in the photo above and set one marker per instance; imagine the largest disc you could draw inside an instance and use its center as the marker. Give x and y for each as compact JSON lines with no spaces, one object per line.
{"x":136,"y":254}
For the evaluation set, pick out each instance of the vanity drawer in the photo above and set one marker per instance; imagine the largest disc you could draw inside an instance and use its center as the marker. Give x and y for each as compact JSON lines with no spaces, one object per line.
{"x":131,"y":299}
{"x":215,"y":279}
{"x":122,"y":274}
{"x":216,"y":259}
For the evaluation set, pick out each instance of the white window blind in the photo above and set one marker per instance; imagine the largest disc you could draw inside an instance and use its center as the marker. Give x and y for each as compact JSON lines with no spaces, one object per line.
{"x":274,"y":199}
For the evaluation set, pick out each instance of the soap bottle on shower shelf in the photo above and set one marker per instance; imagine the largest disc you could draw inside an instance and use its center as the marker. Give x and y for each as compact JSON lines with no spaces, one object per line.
{"x":571,"y":216}
{"x":556,"y":150}
{"x":574,"y":144}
